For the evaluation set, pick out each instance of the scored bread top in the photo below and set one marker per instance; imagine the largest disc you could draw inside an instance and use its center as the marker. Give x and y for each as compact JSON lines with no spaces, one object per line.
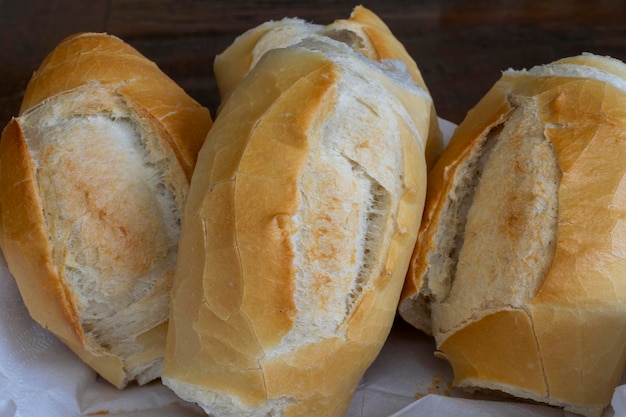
{"x":95,"y":57}
{"x":93,"y":175}
{"x":307,"y":195}
{"x":518,"y":266}
{"x":364,"y":32}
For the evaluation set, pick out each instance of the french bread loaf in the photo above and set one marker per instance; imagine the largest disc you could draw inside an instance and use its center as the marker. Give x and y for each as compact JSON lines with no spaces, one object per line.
{"x":364,"y":32}
{"x":93,"y":176}
{"x":301,"y":219}
{"x":519,"y":269}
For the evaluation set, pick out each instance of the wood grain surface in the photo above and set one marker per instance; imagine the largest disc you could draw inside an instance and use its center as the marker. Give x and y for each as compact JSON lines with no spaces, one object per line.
{"x":460,"y":46}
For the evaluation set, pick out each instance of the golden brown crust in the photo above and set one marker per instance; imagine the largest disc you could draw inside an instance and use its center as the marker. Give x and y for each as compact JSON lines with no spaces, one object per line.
{"x":79,"y":62}
{"x":26,"y":214}
{"x":213,"y":232}
{"x":233,"y":64}
{"x":87,"y":57}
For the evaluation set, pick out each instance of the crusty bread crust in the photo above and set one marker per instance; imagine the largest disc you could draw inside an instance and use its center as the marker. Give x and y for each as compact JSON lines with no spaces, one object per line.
{"x":88,"y":57}
{"x":364,"y":32}
{"x":560,"y":338}
{"x":298,"y":229}
{"x":93,"y":80}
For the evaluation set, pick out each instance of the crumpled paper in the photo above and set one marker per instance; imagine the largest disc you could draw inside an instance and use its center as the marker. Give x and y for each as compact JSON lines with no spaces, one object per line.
{"x":41,"y":377}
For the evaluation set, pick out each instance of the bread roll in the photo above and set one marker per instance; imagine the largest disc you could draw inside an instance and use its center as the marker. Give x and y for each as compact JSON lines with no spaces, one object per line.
{"x":519,"y":266}
{"x":93,"y":176}
{"x":301,"y":219}
{"x":364,"y":32}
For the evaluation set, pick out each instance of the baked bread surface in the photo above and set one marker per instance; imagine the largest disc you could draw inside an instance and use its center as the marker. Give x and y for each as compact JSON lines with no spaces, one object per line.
{"x":297,"y":234}
{"x":363,"y":31}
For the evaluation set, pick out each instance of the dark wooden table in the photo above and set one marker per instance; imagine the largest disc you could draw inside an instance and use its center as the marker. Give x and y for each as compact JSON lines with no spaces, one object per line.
{"x":460,"y":46}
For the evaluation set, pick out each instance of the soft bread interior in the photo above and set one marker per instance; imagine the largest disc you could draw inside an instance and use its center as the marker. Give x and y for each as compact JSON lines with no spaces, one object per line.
{"x":113,"y":222}
{"x":497,"y":234}
{"x":348,"y":179}
{"x":499,"y":239}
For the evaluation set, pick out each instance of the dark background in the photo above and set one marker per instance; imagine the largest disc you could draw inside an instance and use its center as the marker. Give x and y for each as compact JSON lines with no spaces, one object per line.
{"x":460,"y":46}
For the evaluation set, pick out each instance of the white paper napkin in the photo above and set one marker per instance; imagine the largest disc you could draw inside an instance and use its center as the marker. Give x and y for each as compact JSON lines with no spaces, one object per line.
{"x":40,"y":377}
